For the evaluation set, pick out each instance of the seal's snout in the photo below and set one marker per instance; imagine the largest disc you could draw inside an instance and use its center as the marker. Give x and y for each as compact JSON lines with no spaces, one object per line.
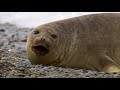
{"x":40,"y":50}
{"x":41,"y":45}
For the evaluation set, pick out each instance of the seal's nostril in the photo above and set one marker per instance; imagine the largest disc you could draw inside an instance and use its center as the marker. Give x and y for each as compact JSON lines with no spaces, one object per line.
{"x":36,"y":32}
{"x":42,"y":39}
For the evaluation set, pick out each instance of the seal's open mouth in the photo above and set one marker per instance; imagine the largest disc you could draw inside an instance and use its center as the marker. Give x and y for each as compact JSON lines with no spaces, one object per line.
{"x":40,"y":50}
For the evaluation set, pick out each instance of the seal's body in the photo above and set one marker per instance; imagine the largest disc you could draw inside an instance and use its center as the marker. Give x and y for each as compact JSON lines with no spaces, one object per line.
{"x":87,"y":42}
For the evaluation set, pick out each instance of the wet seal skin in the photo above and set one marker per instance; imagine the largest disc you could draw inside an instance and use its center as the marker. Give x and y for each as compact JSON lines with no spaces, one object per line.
{"x":87,"y":42}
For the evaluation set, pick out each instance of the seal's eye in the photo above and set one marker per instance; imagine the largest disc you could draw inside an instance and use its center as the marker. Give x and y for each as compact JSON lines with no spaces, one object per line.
{"x":54,"y":36}
{"x":36,"y":32}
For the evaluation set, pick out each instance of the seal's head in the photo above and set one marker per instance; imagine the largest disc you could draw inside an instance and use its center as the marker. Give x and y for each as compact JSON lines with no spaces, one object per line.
{"x":41,"y":45}
{"x":42,"y":42}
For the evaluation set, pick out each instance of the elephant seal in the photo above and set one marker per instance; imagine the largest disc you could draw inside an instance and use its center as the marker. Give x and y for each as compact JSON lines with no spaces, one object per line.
{"x":87,"y":42}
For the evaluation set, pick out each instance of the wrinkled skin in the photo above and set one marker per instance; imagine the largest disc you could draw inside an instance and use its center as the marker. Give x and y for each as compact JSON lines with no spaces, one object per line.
{"x":87,"y":42}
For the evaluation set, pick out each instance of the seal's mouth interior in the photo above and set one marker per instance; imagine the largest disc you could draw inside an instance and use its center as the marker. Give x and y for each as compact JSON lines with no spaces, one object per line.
{"x":40,"y":50}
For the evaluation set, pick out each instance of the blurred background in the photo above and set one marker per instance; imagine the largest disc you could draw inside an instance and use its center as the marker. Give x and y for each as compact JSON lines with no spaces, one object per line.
{"x":33,"y":19}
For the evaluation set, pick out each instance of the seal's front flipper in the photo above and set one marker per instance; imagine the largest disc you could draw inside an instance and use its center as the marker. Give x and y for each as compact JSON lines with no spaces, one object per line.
{"x":111,"y":69}
{"x":107,"y":64}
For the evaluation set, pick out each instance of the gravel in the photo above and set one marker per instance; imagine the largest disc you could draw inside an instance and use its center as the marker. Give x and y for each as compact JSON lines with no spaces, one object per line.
{"x":14,"y":63}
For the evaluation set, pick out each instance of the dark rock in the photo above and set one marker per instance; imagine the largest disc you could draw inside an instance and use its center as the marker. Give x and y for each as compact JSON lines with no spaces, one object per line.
{"x":2,"y":30}
{"x":21,"y":75}
{"x":24,"y":40}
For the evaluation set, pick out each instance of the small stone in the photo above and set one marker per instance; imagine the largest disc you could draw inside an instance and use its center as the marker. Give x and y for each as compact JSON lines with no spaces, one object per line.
{"x":13,"y":51}
{"x":24,"y":40}
{"x":1,"y":50}
{"x":114,"y":72}
{"x":4,"y":58}
{"x":22,"y":69}
{"x":13,"y":45}
{"x":2,"y":30}
{"x":12,"y":36}
{"x":4,"y":35}
{"x":21,"y":75}
{"x":13,"y":71}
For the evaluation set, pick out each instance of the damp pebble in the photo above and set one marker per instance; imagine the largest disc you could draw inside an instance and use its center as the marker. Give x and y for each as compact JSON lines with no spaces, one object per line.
{"x":2,"y":30}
